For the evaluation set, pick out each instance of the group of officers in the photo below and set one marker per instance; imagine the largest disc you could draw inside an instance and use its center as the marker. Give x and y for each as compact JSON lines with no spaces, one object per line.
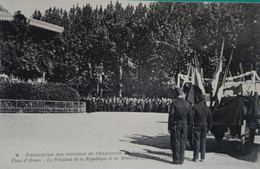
{"x":125,"y":104}
{"x":182,"y":117}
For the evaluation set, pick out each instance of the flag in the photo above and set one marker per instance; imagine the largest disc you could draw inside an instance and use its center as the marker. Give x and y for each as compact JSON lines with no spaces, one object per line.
{"x":217,"y":74}
{"x":221,"y":87}
{"x":197,"y":78}
{"x":196,"y":81}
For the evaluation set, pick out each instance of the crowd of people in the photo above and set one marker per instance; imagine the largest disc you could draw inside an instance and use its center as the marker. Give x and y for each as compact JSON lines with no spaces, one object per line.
{"x":125,"y":104}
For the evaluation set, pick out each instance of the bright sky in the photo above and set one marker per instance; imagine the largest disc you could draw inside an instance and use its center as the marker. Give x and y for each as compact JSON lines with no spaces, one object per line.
{"x":29,"y":6}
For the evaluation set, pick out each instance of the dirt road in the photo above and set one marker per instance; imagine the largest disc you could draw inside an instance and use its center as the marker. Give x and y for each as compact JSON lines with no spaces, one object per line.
{"x":104,"y":140}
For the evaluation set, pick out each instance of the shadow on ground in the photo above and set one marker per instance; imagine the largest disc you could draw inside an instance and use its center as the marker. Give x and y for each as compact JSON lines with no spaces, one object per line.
{"x":232,"y":148}
{"x":162,"y":122}
{"x":148,"y":154}
{"x":162,"y":141}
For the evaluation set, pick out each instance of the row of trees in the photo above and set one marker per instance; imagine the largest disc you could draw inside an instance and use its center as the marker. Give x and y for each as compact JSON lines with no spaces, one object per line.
{"x":142,"y":48}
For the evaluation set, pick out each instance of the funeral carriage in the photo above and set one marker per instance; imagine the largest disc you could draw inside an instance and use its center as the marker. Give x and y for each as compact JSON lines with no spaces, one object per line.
{"x":236,"y":115}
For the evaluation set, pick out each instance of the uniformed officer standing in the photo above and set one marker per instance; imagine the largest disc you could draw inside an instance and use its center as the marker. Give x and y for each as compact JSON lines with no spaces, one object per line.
{"x":202,"y":120}
{"x":179,"y":118}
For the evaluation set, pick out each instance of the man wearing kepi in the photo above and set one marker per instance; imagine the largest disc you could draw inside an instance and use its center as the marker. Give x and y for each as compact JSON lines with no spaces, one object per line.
{"x":179,"y":118}
{"x":202,"y":121}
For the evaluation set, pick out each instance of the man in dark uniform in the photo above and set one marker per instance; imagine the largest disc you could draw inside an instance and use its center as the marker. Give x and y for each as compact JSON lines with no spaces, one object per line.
{"x":202,"y":121}
{"x":179,"y":118}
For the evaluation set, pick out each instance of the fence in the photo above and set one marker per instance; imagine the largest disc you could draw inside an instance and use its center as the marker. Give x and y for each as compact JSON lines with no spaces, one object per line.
{"x":41,"y":106}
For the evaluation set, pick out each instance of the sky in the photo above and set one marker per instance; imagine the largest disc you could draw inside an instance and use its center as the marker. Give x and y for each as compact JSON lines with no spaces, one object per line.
{"x":27,"y":7}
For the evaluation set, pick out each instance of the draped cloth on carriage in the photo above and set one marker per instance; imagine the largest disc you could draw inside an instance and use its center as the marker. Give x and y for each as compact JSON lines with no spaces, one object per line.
{"x":233,"y":110}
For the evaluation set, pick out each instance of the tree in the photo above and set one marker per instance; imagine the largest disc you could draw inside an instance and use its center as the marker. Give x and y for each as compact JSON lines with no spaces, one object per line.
{"x":18,"y":54}
{"x":137,"y":50}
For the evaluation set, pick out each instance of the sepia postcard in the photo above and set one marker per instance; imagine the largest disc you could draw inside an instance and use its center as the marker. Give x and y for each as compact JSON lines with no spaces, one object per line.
{"x":93,"y":84}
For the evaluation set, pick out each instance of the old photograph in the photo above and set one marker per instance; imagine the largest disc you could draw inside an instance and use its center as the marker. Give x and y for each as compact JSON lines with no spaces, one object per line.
{"x":97,"y":84}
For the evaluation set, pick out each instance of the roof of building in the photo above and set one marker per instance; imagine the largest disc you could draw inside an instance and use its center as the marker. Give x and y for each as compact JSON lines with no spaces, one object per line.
{"x":4,"y":16}
{"x":45,"y":25}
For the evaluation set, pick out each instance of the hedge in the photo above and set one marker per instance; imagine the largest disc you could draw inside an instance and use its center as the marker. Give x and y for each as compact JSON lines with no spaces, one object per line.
{"x":38,"y":91}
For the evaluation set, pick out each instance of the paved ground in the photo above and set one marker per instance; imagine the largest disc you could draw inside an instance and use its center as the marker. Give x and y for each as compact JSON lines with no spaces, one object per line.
{"x":103,"y":140}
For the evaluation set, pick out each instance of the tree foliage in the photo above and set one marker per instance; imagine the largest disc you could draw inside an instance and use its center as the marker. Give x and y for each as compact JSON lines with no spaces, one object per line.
{"x":151,"y":44}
